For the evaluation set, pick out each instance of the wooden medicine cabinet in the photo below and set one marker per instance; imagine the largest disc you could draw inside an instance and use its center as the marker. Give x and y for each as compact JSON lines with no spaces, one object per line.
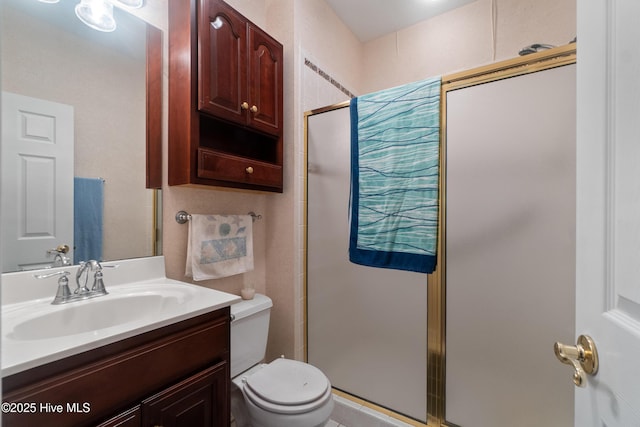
{"x":225,"y":99}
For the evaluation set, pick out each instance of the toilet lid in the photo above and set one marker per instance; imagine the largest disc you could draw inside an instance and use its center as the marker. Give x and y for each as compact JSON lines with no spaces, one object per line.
{"x":289,"y":382}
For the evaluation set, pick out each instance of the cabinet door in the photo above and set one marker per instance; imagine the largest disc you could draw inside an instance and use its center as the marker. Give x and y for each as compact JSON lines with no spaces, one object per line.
{"x":130,"y":418}
{"x":265,"y":82}
{"x":222,"y":56}
{"x":199,"y":401}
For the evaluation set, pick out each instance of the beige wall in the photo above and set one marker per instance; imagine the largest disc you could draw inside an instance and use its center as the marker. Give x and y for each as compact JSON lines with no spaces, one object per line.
{"x":479,"y":33}
{"x":323,"y":38}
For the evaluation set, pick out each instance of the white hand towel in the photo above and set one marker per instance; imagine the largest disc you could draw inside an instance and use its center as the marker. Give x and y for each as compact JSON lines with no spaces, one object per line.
{"x":219,"y":246}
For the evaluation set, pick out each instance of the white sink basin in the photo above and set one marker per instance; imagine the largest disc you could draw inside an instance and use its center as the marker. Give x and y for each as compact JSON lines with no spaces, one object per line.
{"x":35,"y":332}
{"x":127,"y":304}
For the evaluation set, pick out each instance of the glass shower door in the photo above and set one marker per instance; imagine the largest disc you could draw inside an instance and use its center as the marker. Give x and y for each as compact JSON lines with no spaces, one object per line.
{"x":366,"y":327}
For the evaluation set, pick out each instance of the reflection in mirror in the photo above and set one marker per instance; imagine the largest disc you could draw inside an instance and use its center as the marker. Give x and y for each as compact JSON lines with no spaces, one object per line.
{"x":95,"y":83}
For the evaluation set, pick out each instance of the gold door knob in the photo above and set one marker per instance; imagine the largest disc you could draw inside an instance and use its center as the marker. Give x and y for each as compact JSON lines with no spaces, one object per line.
{"x":254,"y":109}
{"x":583,"y":357}
{"x":60,"y":249}
{"x":244,"y":106}
{"x":249,"y":170}
{"x":63,"y":249}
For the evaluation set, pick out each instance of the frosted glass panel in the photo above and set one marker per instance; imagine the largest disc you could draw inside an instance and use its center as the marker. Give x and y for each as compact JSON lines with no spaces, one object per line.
{"x":367,"y":327}
{"x":510,"y":256}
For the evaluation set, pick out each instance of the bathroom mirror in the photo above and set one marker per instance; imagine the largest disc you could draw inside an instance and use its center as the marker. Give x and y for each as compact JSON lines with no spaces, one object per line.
{"x":112,"y":83}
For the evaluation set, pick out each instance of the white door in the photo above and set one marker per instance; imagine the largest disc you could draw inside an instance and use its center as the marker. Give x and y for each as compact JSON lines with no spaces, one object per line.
{"x":37,"y":180}
{"x":608,"y":209}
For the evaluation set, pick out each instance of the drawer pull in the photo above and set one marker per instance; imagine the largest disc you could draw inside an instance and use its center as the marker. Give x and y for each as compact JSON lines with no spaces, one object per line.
{"x":244,"y":106}
{"x":254,"y":109}
{"x":249,"y":170}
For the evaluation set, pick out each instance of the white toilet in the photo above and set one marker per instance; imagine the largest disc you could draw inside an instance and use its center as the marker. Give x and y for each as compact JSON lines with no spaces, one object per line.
{"x":283,"y":393}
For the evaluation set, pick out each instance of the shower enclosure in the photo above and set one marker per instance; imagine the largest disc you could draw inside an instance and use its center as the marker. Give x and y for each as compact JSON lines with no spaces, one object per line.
{"x":367,"y":327}
{"x":504,"y":288}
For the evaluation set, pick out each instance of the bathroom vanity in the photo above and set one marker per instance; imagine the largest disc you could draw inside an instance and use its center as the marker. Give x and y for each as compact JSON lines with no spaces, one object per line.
{"x":164,"y":369}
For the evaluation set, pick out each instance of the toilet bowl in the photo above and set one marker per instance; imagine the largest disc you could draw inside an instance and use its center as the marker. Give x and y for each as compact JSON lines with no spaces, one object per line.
{"x":283,"y":393}
{"x":286,"y":393}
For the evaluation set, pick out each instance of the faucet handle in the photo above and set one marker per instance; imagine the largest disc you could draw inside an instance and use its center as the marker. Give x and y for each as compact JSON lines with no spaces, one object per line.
{"x":64,"y":275}
{"x":98,"y":284}
{"x":63,"y":292}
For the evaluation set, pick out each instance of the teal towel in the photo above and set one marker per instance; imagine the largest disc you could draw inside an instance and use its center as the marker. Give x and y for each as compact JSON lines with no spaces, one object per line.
{"x":88,"y":207}
{"x":395,"y":152}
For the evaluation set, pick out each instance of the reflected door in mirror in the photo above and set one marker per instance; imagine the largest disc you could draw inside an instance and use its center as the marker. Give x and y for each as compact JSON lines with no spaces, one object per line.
{"x":37,"y":180}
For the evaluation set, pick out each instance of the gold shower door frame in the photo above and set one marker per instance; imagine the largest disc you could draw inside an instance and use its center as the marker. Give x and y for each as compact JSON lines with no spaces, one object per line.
{"x":436,"y":282}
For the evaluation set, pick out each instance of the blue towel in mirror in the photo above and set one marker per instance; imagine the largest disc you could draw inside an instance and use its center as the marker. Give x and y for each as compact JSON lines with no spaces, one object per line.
{"x":88,"y":211}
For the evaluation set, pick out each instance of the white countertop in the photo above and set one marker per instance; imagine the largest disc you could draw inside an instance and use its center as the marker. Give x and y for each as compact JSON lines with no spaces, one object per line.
{"x":140,"y":299}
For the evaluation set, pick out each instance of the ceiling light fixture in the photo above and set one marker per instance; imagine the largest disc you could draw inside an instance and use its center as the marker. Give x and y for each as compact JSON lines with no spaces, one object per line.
{"x":49,"y":1}
{"x":97,"y":14}
{"x":131,"y":4}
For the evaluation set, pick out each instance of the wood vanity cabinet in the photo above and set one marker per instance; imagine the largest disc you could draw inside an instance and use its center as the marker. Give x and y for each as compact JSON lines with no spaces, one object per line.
{"x":177,"y":375}
{"x":225,"y":99}
{"x":190,"y":403}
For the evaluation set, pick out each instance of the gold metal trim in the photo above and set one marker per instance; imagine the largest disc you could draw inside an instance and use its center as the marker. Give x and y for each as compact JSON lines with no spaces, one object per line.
{"x":154,"y":231}
{"x":539,"y":61}
{"x":305,"y":214}
{"x":325,"y":110}
{"x":436,"y":299}
{"x":305,"y":244}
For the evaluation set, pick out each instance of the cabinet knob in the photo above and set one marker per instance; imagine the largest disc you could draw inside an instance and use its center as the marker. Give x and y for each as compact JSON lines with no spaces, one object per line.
{"x":244,"y":106}
{"x":254,"y":109}
{"x":249,"y":170}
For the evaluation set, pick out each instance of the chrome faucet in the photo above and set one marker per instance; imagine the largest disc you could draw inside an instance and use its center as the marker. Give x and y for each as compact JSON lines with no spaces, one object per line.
{"x":82,"y":292}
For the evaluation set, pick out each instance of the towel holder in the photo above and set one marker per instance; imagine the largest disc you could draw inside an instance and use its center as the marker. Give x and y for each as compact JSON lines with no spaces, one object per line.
{"x":182,"y":217}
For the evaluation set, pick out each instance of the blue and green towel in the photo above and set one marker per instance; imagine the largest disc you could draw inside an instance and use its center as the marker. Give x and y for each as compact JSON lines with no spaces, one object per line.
{"x":395,"y":152}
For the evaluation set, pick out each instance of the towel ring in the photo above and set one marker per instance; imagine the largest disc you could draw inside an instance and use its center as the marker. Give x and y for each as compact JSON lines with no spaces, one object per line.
{"x":182,"y":217}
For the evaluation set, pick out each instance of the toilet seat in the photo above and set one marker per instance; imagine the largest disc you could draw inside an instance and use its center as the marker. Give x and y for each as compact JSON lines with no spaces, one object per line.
{"x":288,"y":387}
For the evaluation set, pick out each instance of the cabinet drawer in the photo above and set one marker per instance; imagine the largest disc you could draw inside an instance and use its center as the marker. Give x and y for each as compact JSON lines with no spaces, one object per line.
{"x":216,"y":165}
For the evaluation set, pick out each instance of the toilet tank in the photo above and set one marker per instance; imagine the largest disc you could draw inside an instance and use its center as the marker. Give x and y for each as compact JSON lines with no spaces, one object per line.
{"x":249,"y":331}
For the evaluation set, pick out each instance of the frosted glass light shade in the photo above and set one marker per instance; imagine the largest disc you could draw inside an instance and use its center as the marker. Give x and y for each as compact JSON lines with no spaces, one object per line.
{"x":133,"y":4}
{"x":97,"y":14}
{"x":49,"y":1}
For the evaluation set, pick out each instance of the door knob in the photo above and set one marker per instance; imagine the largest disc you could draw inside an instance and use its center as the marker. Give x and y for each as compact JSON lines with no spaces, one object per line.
{"x":583,"y":357}
{"x":244,"y":106}
{"x":60,"y":249}
{"x":254,"y":109}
